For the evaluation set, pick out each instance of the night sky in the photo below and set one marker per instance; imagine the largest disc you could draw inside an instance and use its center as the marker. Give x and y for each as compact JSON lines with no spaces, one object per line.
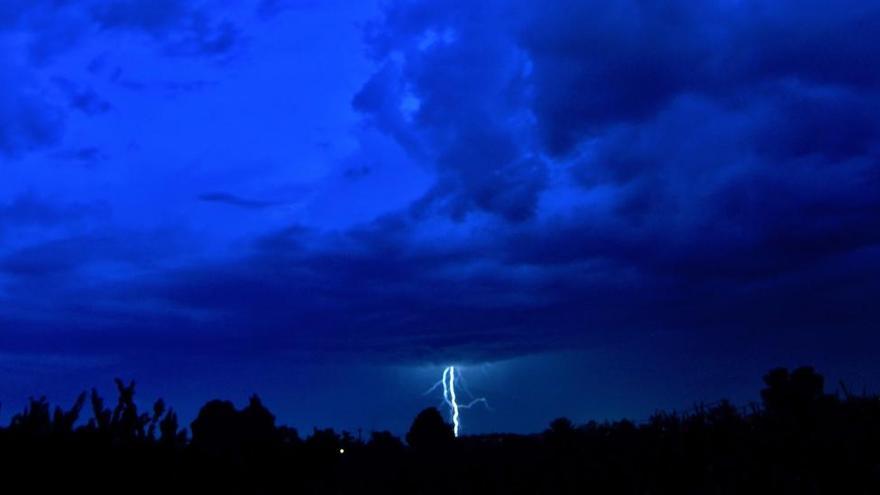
{"x":595,"y":209}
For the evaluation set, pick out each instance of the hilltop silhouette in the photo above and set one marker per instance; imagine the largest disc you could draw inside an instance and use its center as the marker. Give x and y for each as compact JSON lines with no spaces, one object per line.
{"x":799,"y":439}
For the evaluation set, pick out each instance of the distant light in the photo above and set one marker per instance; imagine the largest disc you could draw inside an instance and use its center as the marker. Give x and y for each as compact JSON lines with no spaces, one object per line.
{"x":341,"y":451}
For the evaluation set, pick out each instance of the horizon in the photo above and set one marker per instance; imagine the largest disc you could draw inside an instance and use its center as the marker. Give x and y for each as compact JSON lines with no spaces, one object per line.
{"x":840,"y":390}
{"x":479,"y":421}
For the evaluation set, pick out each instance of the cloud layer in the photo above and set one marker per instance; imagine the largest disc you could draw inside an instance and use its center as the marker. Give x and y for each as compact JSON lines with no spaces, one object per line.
{"x":598,"y":171}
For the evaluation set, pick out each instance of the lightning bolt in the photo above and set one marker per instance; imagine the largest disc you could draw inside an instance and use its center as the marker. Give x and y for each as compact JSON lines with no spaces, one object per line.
{"x":447,"y":381}
{"x":453,"y":403}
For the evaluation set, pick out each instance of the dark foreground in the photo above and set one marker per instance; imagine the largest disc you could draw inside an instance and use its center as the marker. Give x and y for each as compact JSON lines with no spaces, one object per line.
{"x":799,"y":440}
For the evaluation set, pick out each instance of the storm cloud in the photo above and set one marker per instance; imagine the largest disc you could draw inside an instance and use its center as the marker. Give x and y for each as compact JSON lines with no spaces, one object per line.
{"x":598,"y":171}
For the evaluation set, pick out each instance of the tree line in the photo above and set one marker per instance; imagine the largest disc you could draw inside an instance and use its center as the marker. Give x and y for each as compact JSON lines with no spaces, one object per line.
{"x":798,"y":439}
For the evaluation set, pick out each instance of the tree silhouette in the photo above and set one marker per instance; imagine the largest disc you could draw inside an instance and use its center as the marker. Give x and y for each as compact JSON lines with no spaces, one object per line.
{"x":429,"y":431}
{"x":216,"y":429}
{"x":792,"y":394}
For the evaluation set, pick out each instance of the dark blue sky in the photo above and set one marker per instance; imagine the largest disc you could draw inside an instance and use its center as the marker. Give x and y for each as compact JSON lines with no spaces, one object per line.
{"x":596,"y":209}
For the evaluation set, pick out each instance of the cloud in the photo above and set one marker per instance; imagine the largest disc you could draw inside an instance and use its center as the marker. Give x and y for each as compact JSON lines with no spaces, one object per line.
{"x":156,"y":16}
{"x":233,"y":200}
{"x":35,"y":33}
{"x":355,"y":173}
{"x":28,"y":124}
{"x":554,"y":77}
{"x":268,"y":9}
{"x":601,"y":171}
{"x":183,"y":27}
{"x":456,"y":108}
{"x":663,"y":105}
{"x":596,"y":65}
{"x":87,"y":155}
{"x":27,"y":121}
{"x":84,"y":99}
{"x":379,"y":293}
{"x":709,"y":151}
{"x":66,"y":255}
{"x":29,"y":209}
